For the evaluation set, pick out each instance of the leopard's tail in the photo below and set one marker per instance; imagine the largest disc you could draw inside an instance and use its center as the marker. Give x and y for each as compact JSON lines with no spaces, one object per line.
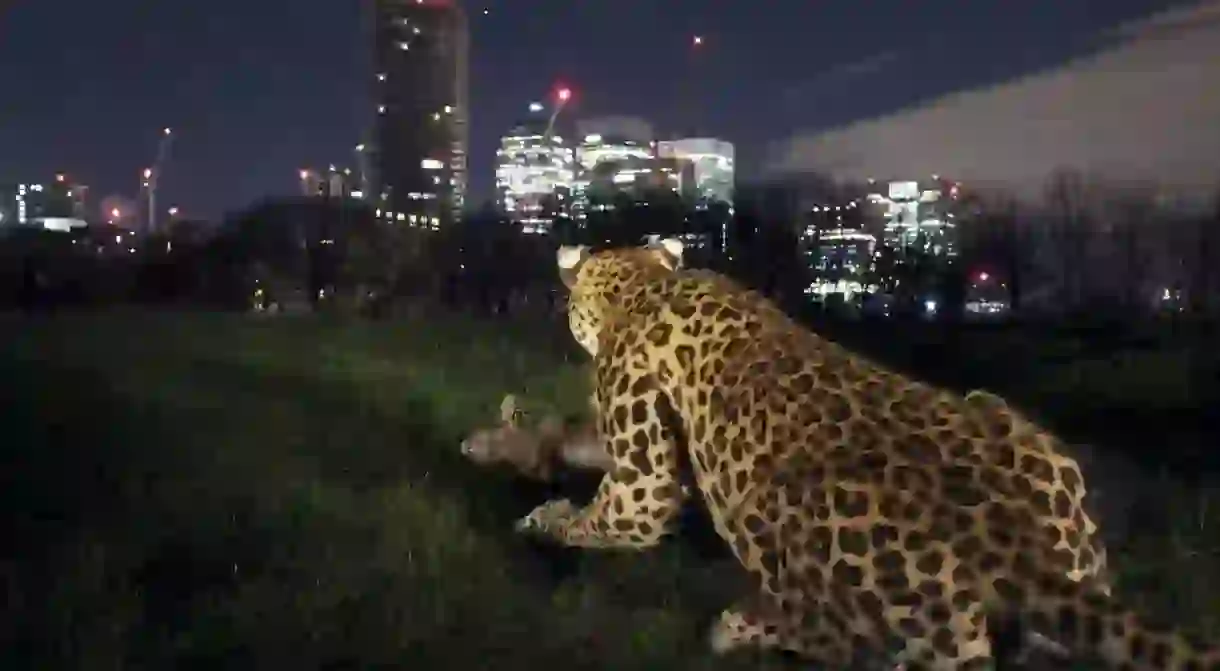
{"x":1091,"y":624}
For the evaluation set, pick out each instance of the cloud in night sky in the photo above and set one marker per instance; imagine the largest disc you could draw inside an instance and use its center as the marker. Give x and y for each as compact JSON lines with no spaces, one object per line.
{"x":1144,"y":108}
{"x":844,"y":73}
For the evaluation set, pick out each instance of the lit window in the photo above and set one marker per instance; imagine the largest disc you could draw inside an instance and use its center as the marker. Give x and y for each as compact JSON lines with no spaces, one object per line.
{"x":404,"y":46}
{"x":381,"y":109}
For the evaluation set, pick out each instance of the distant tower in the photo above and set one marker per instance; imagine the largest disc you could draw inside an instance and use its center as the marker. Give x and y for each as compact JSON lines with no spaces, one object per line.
{"x":534,"y":172}
{"x":421,"y":125}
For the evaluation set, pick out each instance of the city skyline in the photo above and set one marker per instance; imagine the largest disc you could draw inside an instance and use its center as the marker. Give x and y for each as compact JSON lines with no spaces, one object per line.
{"x":261,"y":91}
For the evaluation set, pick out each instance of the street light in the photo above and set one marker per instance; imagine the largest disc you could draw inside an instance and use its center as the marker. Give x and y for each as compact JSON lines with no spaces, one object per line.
{"x":152,"y":174}
{"x":305,"y":176}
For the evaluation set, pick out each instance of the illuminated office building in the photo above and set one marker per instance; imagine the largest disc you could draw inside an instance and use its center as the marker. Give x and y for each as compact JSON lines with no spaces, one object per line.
{"x":58,"y":204}
{"x":919,"y":215}
{"x":599,"y":161}
{"x":333,"y":182}
{"x":535,"y":168}
{"x":712,"y":163}
{"x":840,"y":253}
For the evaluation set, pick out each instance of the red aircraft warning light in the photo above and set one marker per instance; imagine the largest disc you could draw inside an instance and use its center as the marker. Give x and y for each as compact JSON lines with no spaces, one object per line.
{"x":563,"y":94}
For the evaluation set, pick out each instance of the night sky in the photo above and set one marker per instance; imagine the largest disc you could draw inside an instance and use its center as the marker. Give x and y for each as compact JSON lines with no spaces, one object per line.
{"x":256,"y":89}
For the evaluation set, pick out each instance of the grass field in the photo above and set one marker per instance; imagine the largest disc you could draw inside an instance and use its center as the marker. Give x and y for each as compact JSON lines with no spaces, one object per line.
{"x":205,"y":491}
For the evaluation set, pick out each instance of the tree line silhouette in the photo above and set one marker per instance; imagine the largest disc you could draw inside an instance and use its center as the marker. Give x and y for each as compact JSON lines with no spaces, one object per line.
{"x":1086,"y":248}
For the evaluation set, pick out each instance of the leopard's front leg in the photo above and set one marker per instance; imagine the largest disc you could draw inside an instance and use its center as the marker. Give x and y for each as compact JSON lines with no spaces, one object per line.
{"x":639,"y":499}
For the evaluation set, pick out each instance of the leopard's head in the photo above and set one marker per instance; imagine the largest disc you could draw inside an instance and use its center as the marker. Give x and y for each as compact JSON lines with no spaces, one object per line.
{"x":597,"y":281}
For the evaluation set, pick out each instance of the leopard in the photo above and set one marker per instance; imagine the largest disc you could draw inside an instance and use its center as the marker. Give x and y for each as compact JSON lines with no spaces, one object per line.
{"x":880,"y":516}
{"x":536,"y":451}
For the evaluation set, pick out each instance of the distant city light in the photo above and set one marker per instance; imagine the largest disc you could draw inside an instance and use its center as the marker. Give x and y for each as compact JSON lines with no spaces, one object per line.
{"x":983,"y":277}
{"x":147,"y":173}
{"x":563,"y":94}
{"x":173,"y":211}
{"x":115,"y":213}
{"x":60,"y":177}
{"x":535,"y":107}
{"x":697,"y":40}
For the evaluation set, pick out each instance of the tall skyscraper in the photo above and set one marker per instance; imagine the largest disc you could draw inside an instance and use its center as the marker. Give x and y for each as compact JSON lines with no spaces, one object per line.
{"x":420,"y":132}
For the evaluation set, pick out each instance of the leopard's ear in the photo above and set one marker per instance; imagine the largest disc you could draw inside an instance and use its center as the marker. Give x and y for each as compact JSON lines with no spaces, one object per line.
{"x":667,"y":250}
{"x":509,"y":412}
{"x":569,"y":258}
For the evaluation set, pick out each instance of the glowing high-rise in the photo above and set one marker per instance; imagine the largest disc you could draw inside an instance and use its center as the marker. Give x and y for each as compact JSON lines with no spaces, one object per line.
{"x":421,"y":127}
{"x":534,"y":173}
{"x":712,"y":160}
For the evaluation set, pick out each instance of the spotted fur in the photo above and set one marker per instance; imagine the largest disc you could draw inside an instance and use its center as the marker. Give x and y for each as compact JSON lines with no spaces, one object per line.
{"x":879,"y":514}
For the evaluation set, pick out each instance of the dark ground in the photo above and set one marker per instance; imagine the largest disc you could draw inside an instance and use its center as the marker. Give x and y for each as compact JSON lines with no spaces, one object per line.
{"x":191,"y":491}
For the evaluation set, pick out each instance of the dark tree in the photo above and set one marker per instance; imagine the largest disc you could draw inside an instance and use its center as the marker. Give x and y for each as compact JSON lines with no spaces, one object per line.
{"x":1070,"y":227}
{"x":1132,"y":237}
{"x":992,"y":240}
